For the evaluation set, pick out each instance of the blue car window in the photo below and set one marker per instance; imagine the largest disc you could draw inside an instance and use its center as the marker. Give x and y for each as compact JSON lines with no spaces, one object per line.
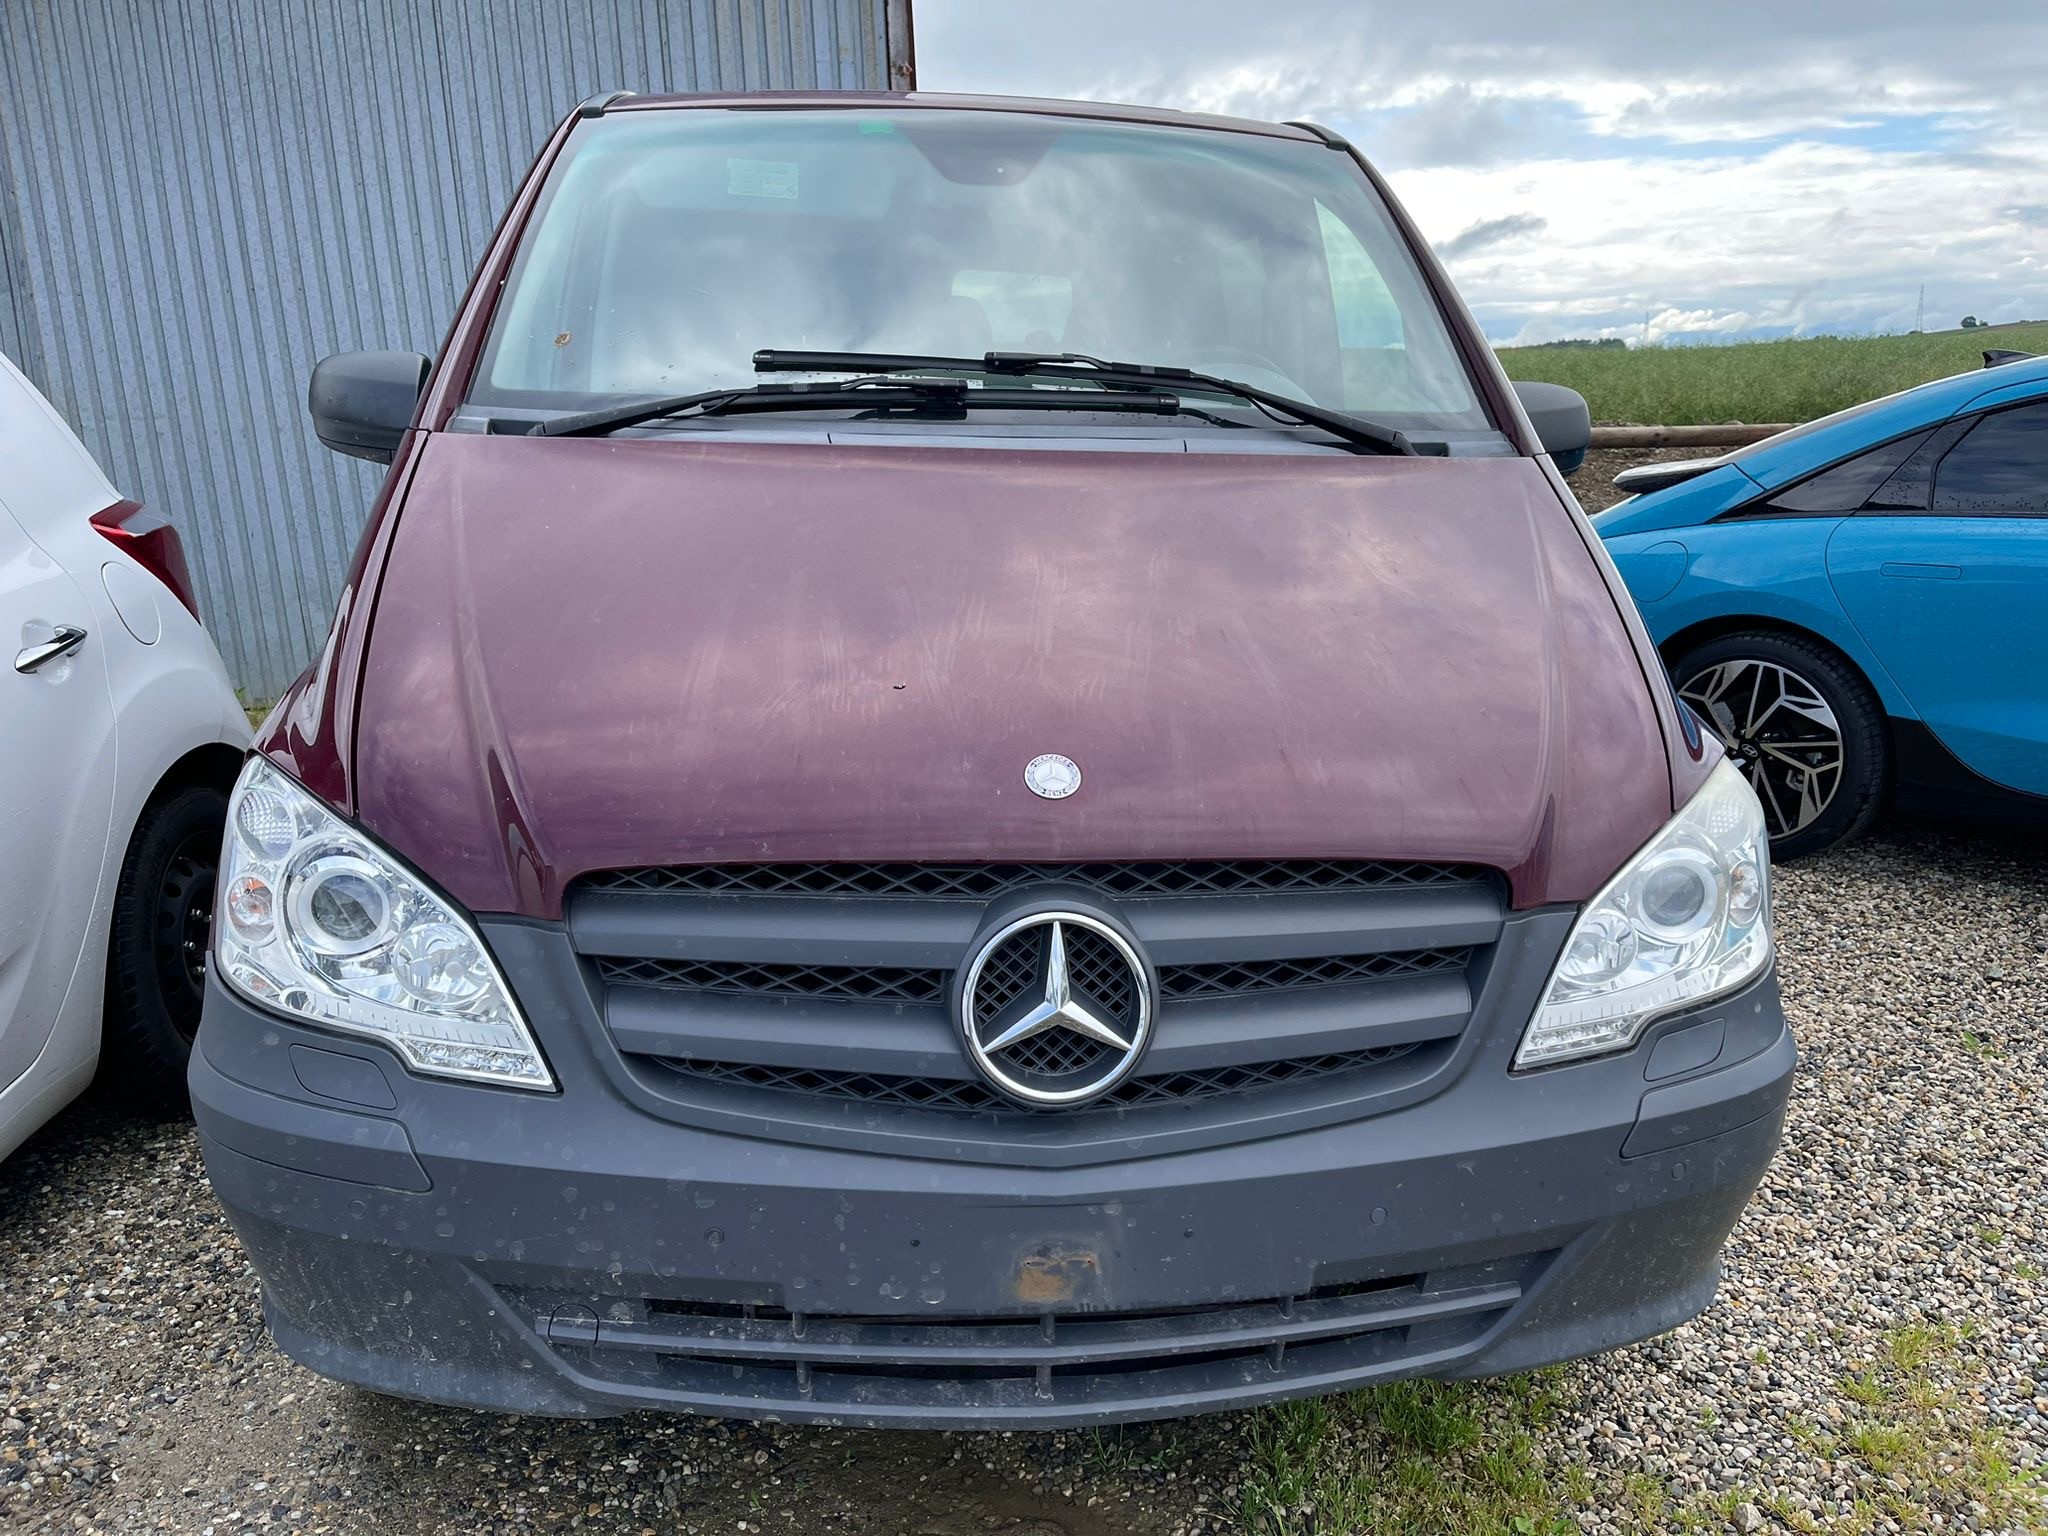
{"x":1848,"y":486}
{"x":2000,"y":469}
{"x":1911,"y":487}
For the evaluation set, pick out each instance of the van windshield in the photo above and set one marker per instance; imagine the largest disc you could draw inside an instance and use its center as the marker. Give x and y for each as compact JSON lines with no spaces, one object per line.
{"x":670,"y":246}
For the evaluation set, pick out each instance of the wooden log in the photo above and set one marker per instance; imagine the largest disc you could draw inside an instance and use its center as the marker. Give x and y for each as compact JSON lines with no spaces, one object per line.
{"x":1728,"y":435}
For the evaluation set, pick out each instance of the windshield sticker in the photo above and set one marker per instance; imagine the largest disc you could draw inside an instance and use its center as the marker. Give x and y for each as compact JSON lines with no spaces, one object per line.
{"x":760,"y":178}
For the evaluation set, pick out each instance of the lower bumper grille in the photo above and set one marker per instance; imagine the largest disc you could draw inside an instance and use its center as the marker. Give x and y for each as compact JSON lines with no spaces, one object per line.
{"x":762,"y":1355}
{"x":973,"y":1096}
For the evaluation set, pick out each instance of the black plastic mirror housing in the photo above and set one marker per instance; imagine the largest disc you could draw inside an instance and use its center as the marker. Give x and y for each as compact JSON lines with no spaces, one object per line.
{"x":1563,"y":423}
{"x":362,"y":402}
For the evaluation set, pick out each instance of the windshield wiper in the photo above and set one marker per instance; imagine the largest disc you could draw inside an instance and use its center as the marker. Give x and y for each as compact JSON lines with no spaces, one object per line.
{"x":882,"y":393}
{"x":1355,"y":430}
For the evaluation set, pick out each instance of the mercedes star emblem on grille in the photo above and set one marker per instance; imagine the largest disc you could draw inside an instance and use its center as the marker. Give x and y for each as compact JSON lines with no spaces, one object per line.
{"x":1056,"y":1008}
{"x":1052,"y":777}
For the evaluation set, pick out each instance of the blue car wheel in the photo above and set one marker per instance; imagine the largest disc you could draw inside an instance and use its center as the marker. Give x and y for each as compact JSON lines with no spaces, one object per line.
{"x":1803,"y":726}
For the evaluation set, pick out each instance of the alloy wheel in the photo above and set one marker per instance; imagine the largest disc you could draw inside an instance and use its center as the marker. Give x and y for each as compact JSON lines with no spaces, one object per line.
{"x":1779,"y":731}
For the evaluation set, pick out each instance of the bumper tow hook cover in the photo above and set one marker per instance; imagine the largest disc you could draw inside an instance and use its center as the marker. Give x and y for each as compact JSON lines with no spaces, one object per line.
{"x":1686,"y":1050}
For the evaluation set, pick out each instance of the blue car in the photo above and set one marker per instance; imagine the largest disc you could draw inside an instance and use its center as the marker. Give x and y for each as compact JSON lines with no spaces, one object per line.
{"x":1859,"y":607}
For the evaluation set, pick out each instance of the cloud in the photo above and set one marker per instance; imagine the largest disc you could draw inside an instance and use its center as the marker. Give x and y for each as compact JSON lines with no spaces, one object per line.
{"x":1744,"y":68}
{"x":1491,"y":232}
{"x":1756,"y":168}
{"x":1802,"y":238}
{"x":1459,"y":125}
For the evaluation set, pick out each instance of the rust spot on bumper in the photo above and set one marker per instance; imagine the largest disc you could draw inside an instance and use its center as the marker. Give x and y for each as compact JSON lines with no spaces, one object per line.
{"x":1054,"y":1274}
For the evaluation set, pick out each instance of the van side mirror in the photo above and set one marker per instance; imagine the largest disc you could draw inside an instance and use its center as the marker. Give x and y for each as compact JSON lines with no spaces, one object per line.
{"x":1564,"y":426}
{"x":362,"y":402}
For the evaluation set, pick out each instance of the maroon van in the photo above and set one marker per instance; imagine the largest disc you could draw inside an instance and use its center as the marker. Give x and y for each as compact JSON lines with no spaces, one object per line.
{"x":975,"y":772}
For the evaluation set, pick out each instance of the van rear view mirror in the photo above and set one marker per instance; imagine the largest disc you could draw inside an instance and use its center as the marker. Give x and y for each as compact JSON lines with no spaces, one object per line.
{"x":362,"y":402}
{"x":1562,"y":421}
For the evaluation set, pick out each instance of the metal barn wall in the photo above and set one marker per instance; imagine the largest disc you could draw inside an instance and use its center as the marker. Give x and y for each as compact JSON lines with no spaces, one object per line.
{"x":201,"y":198}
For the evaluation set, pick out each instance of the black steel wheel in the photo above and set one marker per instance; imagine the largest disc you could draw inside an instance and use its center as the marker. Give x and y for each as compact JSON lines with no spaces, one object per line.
{"x":156,"y":954}
{"x":1802,"y":725}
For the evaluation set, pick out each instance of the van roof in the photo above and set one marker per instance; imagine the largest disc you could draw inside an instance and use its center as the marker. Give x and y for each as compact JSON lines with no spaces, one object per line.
{"x":939,"y":101}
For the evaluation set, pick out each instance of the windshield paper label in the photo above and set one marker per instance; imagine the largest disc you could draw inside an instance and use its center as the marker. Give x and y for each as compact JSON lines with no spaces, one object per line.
{"x":760,"y":178}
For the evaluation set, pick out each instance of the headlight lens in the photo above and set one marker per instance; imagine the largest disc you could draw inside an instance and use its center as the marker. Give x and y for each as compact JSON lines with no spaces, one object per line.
{"x":325,"y":926}
{"x":1686,"y":920}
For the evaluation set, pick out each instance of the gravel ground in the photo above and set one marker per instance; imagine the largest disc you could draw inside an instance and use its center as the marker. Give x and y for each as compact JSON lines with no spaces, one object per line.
{"x":1594,"y":483}
{"x":1877,"y":1359}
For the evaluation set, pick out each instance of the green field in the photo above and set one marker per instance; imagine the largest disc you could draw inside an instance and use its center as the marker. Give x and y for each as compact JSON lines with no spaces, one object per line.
{"x":1760,"y":381}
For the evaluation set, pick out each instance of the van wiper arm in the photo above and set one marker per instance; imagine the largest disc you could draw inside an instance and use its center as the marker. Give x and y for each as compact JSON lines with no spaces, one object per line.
{"x":882,"y":393}
{"x":706,"y":402}
{"x":1355,"y":430}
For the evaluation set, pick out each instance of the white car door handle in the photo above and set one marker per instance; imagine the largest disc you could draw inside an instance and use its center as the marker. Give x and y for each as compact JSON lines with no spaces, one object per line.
{"x":69,"y":637}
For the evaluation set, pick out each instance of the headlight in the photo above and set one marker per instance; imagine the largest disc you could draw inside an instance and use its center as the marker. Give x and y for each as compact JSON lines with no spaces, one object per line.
{"x":1687,"y":919}
{"x":322,"y":924}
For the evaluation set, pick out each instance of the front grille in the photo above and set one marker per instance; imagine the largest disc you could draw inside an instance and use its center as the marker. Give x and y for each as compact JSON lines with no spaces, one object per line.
{"x":1235,"y":977}
{"x":979,"y":882}
{"x":1005,"y":978}
{"x":805,"y":994}
{"x":1056,"y":1053}
{"x":1010,"y":970}
{"x":744,"y":978}
{"x":975,"y":1097}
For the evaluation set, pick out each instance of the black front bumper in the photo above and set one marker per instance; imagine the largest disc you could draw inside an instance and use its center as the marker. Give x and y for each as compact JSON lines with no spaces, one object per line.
{"x":572,"y":1254}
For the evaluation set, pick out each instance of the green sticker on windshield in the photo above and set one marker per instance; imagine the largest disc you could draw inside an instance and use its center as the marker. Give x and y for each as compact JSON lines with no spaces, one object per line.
{"x":760,"y":178}
{"x":876,"y":125}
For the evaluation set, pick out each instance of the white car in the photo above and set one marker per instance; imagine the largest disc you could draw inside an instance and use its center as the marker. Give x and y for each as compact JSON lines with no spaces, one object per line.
{"x":120,"y":736}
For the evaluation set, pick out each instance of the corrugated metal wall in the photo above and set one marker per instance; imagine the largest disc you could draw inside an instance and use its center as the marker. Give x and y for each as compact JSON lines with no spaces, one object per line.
{"x":199,"y":200}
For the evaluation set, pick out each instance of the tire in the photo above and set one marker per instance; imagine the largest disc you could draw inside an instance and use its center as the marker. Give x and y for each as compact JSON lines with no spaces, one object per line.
{"x":156,"y":954}
{"x":1787,"y":708}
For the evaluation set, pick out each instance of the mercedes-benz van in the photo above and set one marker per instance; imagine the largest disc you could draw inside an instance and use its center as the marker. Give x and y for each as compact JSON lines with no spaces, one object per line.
{"x":975,"y":771}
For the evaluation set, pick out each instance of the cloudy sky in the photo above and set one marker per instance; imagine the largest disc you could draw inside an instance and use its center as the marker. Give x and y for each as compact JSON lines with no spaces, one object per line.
{"x":1632,"y":168}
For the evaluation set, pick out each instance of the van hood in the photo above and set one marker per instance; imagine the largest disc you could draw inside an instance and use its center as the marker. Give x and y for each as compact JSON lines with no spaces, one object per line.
{"x":601,"y":653}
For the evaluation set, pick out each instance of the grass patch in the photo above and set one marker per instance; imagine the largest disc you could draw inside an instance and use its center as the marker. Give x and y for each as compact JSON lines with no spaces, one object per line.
{"x":1885,"y":1447}
{"x":1428,"y":1459}
{"x":1128,"y":1449}
{"x":1809,"y":1436}
{"x":1793,"y":380}
{"x":1864,"y":1388}
{"x":1911,"y":1433}
{"x":1411,"y":1456}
